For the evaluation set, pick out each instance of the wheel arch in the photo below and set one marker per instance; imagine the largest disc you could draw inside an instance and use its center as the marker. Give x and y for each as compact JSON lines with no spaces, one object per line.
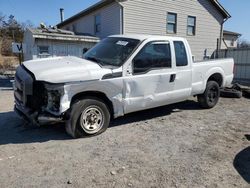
{"x":216,"y":74}
{"x":94,"y":94}
{"x":217,"y":77}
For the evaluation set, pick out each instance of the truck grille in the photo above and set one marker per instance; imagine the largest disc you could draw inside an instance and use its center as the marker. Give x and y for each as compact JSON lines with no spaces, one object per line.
{"x":23,"y":86}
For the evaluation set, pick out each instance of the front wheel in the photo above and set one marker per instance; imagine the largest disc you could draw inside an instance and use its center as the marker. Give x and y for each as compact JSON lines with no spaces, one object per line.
{"x":88,"y":117}
{"x":211,"y":95}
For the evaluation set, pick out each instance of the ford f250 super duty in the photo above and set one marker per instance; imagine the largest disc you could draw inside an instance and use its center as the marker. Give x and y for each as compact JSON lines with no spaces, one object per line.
{"x":120,"y":75}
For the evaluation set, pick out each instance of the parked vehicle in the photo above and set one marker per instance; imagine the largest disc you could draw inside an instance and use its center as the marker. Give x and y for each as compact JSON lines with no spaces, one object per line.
{"x":120,"y":75}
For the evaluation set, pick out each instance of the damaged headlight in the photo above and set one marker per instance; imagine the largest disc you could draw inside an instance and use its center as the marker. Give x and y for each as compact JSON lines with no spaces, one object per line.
{"x":54,"y":97}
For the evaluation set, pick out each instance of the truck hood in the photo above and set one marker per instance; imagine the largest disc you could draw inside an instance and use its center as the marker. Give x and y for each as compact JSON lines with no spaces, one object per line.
{"x":65,"y":69}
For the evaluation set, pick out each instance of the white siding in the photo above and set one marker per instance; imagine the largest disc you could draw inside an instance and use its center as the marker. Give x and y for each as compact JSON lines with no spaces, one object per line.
{"x":150,"y":17}
{"x":29,"y":41}
{"x":58,"y":48}
{"x":110,"y":21}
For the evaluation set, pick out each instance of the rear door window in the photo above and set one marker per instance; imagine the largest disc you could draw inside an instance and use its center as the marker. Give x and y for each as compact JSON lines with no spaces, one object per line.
{"x":180,"y":54}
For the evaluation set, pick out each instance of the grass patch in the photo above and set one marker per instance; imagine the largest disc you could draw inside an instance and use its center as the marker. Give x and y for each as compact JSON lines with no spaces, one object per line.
{"x":8,"y":63}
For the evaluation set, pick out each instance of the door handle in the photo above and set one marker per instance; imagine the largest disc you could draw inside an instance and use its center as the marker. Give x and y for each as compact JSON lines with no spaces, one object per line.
{"x":172,"y":77}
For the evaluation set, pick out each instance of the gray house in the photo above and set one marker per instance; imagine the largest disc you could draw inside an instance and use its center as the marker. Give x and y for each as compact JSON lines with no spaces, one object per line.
{"x":200,"y":21}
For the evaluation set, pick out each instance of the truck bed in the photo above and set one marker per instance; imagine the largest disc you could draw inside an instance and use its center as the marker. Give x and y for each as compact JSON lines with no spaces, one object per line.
{"x":203,"y":69}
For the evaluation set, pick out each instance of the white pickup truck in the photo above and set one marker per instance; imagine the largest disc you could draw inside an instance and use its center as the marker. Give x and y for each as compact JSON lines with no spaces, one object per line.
{"x":120,"y":75}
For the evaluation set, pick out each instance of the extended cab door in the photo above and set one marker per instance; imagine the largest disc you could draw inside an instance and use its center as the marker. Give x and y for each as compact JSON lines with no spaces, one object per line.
{"x":183,"y":68}
{"x":150,"y":77}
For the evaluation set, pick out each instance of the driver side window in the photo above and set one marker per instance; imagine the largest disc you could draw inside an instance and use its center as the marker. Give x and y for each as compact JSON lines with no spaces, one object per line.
{"x":155,"y":55}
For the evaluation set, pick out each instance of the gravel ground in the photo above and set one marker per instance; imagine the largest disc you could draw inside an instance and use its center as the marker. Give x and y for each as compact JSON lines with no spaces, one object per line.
{"x":179,"y":145}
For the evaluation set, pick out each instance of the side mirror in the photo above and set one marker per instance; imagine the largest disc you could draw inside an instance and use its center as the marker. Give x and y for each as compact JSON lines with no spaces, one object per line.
{"x":129,"y":70}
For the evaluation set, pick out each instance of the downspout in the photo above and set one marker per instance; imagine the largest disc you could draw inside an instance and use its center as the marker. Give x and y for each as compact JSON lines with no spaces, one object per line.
{"x":221,"y":32}
{"x":121,"y":19}
{"x":221,"y":37}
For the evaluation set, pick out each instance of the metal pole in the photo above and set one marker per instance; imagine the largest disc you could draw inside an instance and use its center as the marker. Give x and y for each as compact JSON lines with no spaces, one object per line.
{"x":20,"y":58}
{"x":13,"y":35}
{"x":20,"y":55}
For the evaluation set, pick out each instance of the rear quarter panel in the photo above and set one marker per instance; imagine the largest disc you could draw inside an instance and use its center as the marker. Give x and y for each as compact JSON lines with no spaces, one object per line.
{"x":203,"y":70}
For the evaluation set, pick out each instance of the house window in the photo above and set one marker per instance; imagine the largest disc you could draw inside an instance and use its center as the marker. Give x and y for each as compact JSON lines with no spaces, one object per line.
{"x":191,"y":25}
{"x":97,"y":23}
{"x":74,"y":28}
{"x":43,"y":50}
{"x":172,"y":23}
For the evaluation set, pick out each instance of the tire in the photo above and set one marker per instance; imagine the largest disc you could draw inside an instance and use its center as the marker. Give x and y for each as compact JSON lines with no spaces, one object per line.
{"x":246,"y":93}
{"x":88,"y":117}
{"x":211,"y":95}
{"x":230,"y":93}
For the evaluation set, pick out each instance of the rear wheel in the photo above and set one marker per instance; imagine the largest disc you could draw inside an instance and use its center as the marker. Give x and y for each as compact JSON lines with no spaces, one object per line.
{"x":88,"y":117}
{"x":211,"y":95}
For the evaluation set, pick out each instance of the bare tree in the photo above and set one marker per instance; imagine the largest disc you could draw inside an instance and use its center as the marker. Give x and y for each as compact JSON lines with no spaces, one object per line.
{"x":11,"y":31}
{"x":27,"y":24}
{"x":243,"y":44}
{"x":2,"y":18}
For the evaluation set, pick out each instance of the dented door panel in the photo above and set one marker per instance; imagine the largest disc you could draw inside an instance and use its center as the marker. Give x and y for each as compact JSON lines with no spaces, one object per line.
{"x":148,"y":90}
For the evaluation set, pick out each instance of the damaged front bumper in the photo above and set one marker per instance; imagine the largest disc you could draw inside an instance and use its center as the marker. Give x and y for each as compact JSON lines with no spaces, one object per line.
{"x":33,"y":101}
{"x":25,"y":113}
{"x":34,"y":117}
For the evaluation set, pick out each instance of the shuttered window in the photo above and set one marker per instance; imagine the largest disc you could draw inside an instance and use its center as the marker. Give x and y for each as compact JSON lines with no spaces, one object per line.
{"x":171,"y":23}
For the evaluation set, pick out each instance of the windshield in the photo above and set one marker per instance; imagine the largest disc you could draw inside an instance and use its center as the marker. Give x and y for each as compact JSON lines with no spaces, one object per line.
{"x":112,"y":51}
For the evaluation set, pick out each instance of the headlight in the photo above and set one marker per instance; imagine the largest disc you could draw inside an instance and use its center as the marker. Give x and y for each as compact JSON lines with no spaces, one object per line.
{"x":54,"y":97}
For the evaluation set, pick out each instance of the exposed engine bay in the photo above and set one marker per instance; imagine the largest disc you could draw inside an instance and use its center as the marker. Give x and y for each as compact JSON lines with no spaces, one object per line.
{"x":40,"y":99}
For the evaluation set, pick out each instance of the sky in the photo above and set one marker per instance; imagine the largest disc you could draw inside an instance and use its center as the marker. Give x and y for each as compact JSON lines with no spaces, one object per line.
{"x":47,"y":11}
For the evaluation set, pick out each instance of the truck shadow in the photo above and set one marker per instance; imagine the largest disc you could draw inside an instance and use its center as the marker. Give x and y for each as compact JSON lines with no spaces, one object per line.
{"x":242,"y":164}
{"x":14,"y":131}
{"x":156,"y":112}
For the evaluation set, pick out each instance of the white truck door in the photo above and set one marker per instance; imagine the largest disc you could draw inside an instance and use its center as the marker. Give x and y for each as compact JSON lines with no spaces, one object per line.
{"x":183,"y":68}
{"x":153,"y":78}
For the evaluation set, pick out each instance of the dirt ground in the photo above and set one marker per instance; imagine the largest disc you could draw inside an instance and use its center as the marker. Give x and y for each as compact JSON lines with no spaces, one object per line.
{"x":179,"y":145}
